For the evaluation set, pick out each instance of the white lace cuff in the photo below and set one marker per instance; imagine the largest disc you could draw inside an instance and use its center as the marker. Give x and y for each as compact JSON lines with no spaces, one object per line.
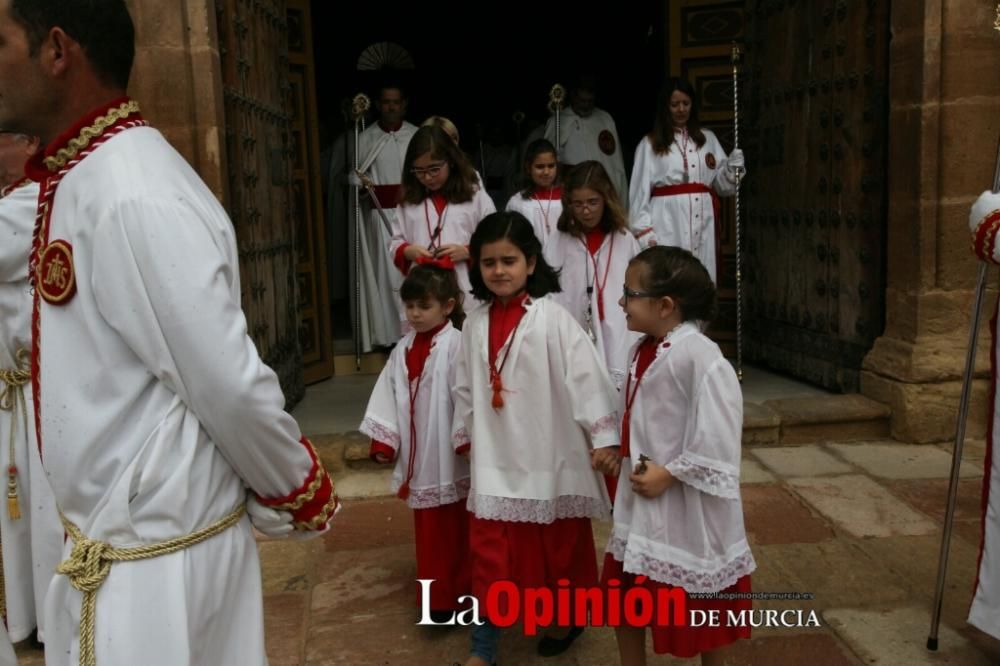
{"x":706,"y":479}
{"x":604,"y":432}
{"x":543,"y":512}
{"x":429,"y":498}
{"x":380,"y":432}
{"x":691,"y":580}
{"x":459,"y":438}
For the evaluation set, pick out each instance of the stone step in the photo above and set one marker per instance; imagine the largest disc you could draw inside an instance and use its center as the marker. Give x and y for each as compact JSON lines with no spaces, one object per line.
{"x":809,"y":419}
{"x":786,"y":422}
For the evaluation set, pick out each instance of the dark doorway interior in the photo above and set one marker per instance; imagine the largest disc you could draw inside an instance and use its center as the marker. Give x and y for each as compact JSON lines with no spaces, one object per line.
{"x":478,"y":63}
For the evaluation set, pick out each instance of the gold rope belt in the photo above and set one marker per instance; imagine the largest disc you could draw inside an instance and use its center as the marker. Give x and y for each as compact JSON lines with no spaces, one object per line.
{"x":11,"y":395}
{"x":90,"y":562}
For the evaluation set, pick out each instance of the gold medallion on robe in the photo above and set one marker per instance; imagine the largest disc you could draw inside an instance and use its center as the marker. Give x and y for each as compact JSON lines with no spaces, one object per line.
{"x":606,"y":142}
{"x":56,"y":281}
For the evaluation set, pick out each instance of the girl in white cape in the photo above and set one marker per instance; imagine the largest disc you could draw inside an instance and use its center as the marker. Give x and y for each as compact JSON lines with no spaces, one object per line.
{"x":678,"y":518}
{"x":409,"y":419}
{"x":540,"y":412}
{"x":540,"y":200}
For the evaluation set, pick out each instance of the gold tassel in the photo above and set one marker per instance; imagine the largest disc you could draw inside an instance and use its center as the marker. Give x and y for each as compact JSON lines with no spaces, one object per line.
{"x":13,"y":506}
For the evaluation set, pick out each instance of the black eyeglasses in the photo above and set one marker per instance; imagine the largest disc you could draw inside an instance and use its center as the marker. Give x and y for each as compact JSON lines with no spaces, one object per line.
{"x":628,"y":293}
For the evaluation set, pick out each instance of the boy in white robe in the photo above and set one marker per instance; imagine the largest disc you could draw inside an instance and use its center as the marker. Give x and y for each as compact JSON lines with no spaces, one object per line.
{"x":29,"y":523}
{"x":154,"y":411}
{"x":984,"y":614}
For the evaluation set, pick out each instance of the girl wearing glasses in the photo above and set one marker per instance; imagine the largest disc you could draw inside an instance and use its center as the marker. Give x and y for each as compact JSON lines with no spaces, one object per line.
{"x":441,"y":204}
{"x":540,"y":413}
{"x":541,"y":199}
{"x":678,"y":518}
{"x":592,"y":248}
{"x":679,"y":173}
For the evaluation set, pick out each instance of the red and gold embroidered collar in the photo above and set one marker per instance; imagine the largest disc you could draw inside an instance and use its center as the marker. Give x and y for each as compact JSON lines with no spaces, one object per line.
{"x":69,"y":145}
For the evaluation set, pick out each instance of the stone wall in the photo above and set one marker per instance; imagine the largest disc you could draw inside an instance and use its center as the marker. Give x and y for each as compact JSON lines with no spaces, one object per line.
{"x":944,"y":122}
{"x":178,"y":81}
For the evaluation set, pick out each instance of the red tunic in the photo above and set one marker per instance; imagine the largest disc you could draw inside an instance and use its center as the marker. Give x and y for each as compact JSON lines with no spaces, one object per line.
{"x":441,"y":533}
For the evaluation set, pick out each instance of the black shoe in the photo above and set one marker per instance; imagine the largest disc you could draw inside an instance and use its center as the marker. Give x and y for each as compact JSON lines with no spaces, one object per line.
{"x":551,"y":647}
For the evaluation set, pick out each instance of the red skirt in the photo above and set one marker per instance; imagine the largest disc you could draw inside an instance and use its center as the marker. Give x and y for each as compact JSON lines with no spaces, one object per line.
{"x":532,"y":555}
{"x":686,"y":641}
{"x":442,"y":537}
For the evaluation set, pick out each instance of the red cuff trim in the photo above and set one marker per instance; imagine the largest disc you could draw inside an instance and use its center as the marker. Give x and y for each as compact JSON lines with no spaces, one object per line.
{"x":383,"y":448}
{"x":644,"y":232}
{"x":463,"y":448}
{"x":314,"y":502}
{"x":401,"y":261}
{"x":984,"y":239}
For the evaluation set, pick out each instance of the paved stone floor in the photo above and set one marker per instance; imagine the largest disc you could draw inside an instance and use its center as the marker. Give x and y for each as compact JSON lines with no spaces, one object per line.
{"x":857,"y":525}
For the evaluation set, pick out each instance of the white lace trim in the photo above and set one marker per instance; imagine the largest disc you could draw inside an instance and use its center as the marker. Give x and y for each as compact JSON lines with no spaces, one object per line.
{"x":672,"y":574}
{"x":518,"y":510}
{"x":380,"y":432}
{"x":705,"y":479}
{"x":429,"y":498}
{"x":460,"y":438}
{"x":603,"y":426}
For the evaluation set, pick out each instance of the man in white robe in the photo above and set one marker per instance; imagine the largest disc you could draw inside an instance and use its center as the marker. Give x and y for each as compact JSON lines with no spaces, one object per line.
{"x":159,"y":426}
{"x":589,"y":133}
{"x":984,"y":614}
{"x":29,"y":524}
{"x":382,"y":151}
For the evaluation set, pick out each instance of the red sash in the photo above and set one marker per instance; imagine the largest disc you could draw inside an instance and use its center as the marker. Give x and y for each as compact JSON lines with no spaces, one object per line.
{"x":698,"y":188}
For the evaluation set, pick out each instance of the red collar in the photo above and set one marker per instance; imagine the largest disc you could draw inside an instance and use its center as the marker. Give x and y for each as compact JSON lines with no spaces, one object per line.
{"x":517,"y":301}
{"x":595,"y":238}
{"x":71,"y":142}
{"x":549,"y":193}
{"x":426,"y":335}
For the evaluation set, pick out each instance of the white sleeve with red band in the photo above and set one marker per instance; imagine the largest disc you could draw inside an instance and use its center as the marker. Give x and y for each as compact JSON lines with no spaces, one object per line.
{"x":593,"y":396}
{"x":166,"y":279}
{"x":984,"y":222}
{"x":381,"y":419}
{"x":398,"y":243}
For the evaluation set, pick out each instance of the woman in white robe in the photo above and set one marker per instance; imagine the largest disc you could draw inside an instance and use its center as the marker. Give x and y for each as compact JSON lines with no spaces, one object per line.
{"x":679,"y":173}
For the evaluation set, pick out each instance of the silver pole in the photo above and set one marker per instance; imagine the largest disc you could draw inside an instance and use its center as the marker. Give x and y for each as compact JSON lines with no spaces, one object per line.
{"x":739,"y":239}
{"x":956,"y":456}
{"x":359,"y":107}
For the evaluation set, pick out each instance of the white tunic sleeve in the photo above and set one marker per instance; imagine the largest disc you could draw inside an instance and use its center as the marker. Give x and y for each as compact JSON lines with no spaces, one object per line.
{"x":724,"y":182}
{"x":164,"y":279}
{"x":593,"y":397}
{"x":710,"y":460}
{"x":640,"y":215}
{"x":380,"y":421}
{"x":461,"y":394}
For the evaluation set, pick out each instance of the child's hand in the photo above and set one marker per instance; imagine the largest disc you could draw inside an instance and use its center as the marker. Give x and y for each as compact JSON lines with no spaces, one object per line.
{"x":606,"y":460}
{"x":652,"y":482}
{"x":454,"y":251}
{"x":413,"y":251}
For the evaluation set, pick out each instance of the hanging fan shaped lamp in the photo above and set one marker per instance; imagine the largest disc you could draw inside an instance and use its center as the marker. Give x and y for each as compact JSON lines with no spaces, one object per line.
{"x":385,"y":55}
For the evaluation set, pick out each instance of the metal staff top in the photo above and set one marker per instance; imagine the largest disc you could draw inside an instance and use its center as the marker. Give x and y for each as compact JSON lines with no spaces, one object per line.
{"x":557,"y":98}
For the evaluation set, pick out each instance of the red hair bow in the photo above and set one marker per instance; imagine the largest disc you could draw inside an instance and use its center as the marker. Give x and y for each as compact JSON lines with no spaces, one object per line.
{"x":444,"y":262}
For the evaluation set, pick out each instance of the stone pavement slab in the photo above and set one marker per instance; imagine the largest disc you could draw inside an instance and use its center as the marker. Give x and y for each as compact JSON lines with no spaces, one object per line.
{"x":861,"y":506}
{"x":801,"y":461}
{"x":898,"y":637}
{"x":751,"y":471}
{"x":902,"y":461}
{"x":772,"y":515}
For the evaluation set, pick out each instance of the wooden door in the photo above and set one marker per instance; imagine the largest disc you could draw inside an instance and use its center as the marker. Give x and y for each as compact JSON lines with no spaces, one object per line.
{"x":315,"y":335}
{"x":253,"y":42}
{"x":815,"y":195}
